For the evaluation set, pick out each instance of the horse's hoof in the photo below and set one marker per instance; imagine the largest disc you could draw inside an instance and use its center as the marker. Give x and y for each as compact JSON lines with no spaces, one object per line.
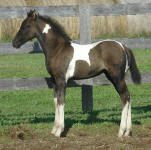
{"x":58,"y":132}
{"x":54,"y":129}
{"x":121,"y":133}
{"x":128,"y":134}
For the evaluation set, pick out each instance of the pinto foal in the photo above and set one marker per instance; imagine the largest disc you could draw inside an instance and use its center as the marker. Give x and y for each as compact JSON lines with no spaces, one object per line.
{"x":65,"y":60}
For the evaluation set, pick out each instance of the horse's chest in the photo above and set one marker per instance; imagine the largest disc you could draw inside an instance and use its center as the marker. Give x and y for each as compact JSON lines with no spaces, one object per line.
{"x":56,"y":64}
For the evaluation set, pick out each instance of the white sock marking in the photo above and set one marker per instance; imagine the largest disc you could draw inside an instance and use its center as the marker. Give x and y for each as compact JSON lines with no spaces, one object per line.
{"x":55,"y":101}
{"x":125,"y":119}
{"x":60,"y":125}
{"x":56,"y":111}
{"x":56,"y":117}
{"x":46,"y":28}
{"x":61,"y":115}
{"x":59,"y":119}
{"x":129,"y":122}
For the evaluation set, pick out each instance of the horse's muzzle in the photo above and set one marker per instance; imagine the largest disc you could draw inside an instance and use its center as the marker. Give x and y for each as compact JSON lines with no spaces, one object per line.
{"x":15,"y":44}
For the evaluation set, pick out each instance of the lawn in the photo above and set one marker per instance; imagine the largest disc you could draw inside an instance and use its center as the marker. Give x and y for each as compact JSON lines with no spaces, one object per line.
{"x":22,"y":66}
{"x":28,"y":116}
{"x":36,"y":106}
{"x":33,"y":65}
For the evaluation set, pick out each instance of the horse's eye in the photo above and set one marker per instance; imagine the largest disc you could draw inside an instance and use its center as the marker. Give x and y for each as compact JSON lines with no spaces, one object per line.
{"x":25,"y":27}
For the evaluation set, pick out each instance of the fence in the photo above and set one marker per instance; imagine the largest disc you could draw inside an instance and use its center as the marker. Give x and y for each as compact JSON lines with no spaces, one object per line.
{"x":84,"y":12}
{"x":33,"y":47}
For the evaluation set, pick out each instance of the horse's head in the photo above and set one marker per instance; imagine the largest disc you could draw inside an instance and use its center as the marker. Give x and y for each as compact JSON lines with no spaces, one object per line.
{"x":27,"y":30}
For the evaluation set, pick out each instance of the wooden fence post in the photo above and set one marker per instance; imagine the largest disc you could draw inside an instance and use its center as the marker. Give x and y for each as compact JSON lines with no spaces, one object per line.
{"x":85,"y":37}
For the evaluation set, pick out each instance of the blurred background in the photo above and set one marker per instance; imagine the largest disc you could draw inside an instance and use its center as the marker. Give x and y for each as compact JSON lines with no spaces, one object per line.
{"x":130,"y":26}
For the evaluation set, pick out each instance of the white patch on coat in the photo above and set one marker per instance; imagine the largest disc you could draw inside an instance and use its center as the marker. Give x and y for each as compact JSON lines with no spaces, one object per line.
{"x":125,"y":119}
{"x":81,"y":52}
{"x":46,"y":28}
{"x":127,"y":66}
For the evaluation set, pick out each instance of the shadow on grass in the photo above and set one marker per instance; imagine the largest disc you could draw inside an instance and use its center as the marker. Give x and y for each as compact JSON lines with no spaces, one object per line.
{"x":140,"y":109}
{"x":92,"y":117}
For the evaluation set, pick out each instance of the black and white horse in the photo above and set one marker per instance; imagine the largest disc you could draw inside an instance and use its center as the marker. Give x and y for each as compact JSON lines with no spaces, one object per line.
{"x":67,"y":60}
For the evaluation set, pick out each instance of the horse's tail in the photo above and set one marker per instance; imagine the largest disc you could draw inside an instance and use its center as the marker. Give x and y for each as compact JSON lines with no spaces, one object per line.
{"x":135,"y":74}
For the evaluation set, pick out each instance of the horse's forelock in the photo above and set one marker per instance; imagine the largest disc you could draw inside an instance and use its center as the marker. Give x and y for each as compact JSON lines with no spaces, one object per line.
{"x":32,"y":13}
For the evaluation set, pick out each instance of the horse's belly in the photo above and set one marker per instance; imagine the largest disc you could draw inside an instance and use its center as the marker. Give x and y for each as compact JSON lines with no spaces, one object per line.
{"x":84,"y":70}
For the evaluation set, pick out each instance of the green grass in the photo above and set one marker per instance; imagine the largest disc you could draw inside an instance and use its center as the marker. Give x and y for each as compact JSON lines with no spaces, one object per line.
{"x":33,"y":65}
{"x":22,"y":66}
{"x":35,"y":107}
{"x":143,"y":59}
{"x":27,"y":117}
{"x":5,"y":40}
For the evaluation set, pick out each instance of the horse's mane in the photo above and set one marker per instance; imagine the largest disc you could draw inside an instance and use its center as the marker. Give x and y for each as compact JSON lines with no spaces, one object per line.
{"x":57,"y":27}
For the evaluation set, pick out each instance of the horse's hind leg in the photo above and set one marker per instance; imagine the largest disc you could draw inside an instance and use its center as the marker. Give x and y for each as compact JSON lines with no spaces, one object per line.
{"x":120,"y":86}
{"x":126,"y":124}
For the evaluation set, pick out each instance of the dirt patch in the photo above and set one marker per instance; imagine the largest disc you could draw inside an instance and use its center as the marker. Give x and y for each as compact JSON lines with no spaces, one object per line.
{"x":20,"y":132}
{"x":78,"y":139}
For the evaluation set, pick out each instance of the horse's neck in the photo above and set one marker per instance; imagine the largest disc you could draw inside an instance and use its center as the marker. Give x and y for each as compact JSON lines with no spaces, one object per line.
{"x":50,"y":46}
{"x":47,"y":47}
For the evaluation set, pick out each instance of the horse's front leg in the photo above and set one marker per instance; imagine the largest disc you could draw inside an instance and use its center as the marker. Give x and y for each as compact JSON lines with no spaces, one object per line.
{"x":59,"y":101}
{"x":54,"y":129}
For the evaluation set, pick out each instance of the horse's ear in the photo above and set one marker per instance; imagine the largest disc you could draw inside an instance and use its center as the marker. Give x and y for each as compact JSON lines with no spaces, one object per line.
{"x":32,"y":14}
